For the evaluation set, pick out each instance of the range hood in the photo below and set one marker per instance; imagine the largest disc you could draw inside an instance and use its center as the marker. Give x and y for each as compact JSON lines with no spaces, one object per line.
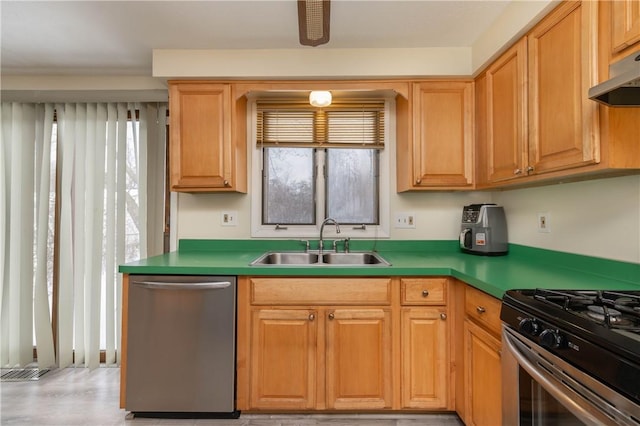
{"x":623,"y":87}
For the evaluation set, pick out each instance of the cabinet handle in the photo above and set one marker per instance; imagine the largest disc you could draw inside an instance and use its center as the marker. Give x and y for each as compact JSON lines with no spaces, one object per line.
{"x":481,"y":310}
{"x":312,"y":317}
{"x":418,"y":181}
{"x":226,"y":183}
{"x":443,"y":316}
{"x":425,"y":293}
{"x":517,"y":172}
{"x":331,"y":316}
{"x":530,"y":169}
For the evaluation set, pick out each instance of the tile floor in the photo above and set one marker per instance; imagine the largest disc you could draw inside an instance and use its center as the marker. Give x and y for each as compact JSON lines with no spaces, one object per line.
{"x":77,"y":396}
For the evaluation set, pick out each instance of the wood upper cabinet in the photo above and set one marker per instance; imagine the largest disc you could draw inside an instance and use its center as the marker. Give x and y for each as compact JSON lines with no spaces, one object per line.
{"x":625,"y":25}
{"x":537,"y":120}
{"x":435,"y":136}
{"x":562,"y":66}
{"x":207,"y":137}
{"x":506,"y":114}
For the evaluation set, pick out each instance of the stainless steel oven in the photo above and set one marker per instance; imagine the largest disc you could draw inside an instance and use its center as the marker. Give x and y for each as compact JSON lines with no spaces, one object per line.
{"x":563,"y":366}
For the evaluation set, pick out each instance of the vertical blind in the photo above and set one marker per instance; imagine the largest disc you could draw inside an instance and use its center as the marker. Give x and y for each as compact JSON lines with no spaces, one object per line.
{"x":103,"y":151}
{"x":346,"y":123}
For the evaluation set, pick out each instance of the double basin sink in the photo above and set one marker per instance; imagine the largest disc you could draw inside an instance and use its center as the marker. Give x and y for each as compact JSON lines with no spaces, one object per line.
{"x":315,"y":259}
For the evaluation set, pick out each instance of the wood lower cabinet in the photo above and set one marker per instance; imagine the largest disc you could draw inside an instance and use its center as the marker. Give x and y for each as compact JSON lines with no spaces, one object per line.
{"x":333,"y":358}
{"x":425,"y":353}
{"x":482,"y":364}
{"x":358,"y":358}
{"x":315,"y":344}
{"x":483,"y":383}
{"x":425,"y":358}
{"x":284,"y":358}
{"x":363,"y":344}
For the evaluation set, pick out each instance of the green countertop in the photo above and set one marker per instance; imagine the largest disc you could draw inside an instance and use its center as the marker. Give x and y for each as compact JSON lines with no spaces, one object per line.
{"x":523,"y":268}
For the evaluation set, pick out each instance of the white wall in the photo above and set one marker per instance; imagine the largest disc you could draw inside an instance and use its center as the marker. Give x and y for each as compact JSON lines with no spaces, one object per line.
{"x":597,"y":218}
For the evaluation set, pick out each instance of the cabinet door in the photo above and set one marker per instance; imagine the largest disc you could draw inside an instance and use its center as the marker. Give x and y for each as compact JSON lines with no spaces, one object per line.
{"x":440,"y":151}
{"x":625,"y":24}
{"x":358,"y":358}
{"x":507,"y":114}
{"x":425,"y":358}
{"x":201,"y":144}
{"x":283,"y":359}
{"x":483,"y":377}
{"x":563,"y":122}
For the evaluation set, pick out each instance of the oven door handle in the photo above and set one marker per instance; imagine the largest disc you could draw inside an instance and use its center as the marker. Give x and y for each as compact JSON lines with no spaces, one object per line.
{"x":584,"y":414}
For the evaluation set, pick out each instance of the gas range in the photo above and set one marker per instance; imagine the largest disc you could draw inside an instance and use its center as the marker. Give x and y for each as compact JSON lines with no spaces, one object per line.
{"x":596,"y":331}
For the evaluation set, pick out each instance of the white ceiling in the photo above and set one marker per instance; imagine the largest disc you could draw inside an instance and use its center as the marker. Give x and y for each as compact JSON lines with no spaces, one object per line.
{"x":117,"y":37}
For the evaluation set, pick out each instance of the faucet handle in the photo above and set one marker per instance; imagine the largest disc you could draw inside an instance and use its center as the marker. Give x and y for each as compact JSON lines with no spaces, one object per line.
{"x":306,"y":244}
{"x":346,"y":244}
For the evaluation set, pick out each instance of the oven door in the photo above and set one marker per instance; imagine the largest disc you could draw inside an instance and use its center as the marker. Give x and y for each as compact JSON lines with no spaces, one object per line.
{"x":552,"y":392}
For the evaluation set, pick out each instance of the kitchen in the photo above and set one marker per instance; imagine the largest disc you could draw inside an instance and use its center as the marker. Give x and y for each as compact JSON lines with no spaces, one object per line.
{"x":578,"y":214}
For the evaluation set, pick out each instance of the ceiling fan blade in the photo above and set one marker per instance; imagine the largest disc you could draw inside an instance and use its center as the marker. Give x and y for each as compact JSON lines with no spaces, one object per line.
{"x":313,"y":21}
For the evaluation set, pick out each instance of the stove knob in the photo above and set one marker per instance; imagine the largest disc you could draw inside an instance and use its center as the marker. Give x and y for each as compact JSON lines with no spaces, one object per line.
{"x":551,"y":339}
{"x":529,"y":326}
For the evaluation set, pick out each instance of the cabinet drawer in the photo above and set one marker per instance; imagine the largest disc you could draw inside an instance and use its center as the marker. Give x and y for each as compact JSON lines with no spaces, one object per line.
{"x":424,"y":291}
{"x":484,"y":309}
{"x":320,"y":291}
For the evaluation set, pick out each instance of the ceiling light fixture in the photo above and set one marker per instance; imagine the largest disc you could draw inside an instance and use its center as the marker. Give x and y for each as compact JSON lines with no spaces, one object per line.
{"x":320,"y":98}
{"x":313,"y":21}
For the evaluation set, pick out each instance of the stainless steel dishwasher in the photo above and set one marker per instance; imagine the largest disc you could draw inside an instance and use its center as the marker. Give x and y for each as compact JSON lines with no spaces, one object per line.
{"x":181,"y":346}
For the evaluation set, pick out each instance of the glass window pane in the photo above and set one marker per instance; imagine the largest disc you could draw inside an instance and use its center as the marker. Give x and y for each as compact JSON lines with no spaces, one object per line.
{"x":352,"y":185}
{"x":288,"y":186}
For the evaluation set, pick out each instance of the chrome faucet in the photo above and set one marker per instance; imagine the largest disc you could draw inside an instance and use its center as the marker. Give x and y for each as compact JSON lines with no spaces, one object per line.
{"x":324,"y":222}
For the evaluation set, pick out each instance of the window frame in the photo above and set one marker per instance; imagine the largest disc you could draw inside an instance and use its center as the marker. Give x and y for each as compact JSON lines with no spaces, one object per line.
{"x":258,"y":230}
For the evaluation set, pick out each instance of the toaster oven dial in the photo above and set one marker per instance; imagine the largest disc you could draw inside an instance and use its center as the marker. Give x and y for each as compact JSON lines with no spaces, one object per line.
{"x":530,"y":326}
{"x":551,"y":339}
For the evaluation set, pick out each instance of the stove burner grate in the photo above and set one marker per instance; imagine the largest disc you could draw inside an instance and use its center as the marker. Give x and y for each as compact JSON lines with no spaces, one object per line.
{"x":610,"y":308}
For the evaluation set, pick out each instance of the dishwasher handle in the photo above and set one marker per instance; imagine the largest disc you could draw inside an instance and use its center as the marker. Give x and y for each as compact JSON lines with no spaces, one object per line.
{"x":162,"y":285}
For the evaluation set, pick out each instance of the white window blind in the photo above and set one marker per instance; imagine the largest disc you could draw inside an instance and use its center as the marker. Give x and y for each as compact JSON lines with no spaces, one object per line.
{"x":348,"y":124}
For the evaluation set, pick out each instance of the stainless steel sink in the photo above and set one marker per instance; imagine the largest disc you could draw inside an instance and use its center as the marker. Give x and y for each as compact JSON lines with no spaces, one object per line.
{"x":286,"y":258}
{"x":327,"y":259}
{"x":355,"y":258}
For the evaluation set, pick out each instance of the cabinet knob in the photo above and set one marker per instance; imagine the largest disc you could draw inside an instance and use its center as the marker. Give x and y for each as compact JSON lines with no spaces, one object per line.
{"x":226,"y":183}
{"x":331,"y":316}
{"x":418,"y":181}
{"x":312,"y":317}
{"x":481,"y":310}
{"x":425,"y":293}
{"x":517,"y":172}
{"x":443,"y":316}
{"x":530,"y":169}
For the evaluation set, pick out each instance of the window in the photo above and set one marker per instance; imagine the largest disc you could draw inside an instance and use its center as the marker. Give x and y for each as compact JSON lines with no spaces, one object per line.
{"x":311,"y":163}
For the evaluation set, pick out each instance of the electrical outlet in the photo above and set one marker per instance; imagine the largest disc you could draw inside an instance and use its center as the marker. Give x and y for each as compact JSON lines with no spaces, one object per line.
{"x":544,"y":222}
{"x":405,"y":220}
{"x":229,"y":218}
